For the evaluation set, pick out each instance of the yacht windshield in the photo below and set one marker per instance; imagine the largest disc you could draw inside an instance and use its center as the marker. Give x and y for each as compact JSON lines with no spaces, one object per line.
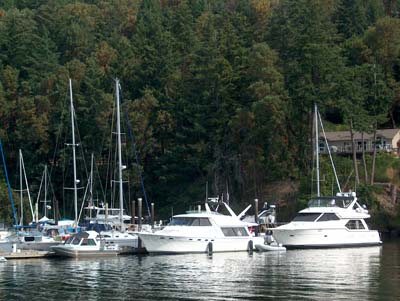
{"x":190,"y":221}
{"x":234,"y":231}
{"x":328,"y":217}
{"x":306,"y":217}
{"x":342,"y":202}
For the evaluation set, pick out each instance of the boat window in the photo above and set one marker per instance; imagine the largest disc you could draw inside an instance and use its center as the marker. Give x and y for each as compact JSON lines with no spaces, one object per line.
{"x":75,"y":241}
{"x":355,"y":225}
{"x":84,"y":242}
{"x":190,"y":221}
{"x":306,"y":217}
{"x":328,"y":217}
{"x":234,"y":231}
{"x":342,"y":202}
{"x":91,"y":242}
{"x":204,"y":222}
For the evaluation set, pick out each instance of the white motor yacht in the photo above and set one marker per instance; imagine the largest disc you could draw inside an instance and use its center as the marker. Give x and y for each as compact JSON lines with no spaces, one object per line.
{"x":336,"y":221}
{"x":86,"y":244}
{"x":201,"y":232}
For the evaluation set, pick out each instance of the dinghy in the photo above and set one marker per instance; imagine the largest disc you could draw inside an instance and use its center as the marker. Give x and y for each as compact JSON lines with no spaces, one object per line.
{"x":270,"y":248}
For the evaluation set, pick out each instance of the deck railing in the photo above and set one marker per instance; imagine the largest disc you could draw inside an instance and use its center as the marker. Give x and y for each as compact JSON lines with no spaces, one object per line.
{"x":368,"y":149}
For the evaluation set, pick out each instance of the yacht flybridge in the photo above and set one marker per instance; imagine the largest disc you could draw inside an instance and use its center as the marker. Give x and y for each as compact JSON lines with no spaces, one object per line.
{"x":201,"y":232}
{"x":335,"y":221}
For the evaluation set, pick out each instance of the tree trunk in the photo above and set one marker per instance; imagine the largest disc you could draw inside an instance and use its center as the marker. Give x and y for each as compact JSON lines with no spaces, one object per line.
{"x":353,"y":147}
{"x":363,"y":159}
{"x":373,"y":156}
{"x":393,"y":193}
{"x":391,"y":114}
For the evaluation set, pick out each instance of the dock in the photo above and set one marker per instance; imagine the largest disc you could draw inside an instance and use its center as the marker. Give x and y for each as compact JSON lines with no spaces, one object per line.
{"x":26,"y":254}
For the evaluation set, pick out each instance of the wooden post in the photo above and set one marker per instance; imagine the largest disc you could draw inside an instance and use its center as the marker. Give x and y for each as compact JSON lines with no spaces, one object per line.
{"x":133,"y":212}
{"x":36,"y":212}
{"x":256,"y":215}
{"x":56,"y":211}
{"x":106,"y":211}
{"x":140,"y":213}
{"x":152,"y":215}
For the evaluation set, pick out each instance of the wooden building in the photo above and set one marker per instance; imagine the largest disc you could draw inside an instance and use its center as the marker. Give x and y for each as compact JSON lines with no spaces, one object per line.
{"x":340,"y":142}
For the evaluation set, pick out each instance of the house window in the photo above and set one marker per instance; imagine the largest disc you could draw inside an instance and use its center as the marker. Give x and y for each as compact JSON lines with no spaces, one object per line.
{"x":380,"y":143}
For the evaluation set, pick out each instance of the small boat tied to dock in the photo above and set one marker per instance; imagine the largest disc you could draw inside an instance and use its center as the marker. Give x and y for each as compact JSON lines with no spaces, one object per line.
{"x":270,"y":245}
{"x":87,"y":244}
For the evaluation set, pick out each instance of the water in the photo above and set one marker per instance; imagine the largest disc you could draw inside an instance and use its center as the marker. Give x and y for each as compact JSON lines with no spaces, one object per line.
{"x":371,"y":273}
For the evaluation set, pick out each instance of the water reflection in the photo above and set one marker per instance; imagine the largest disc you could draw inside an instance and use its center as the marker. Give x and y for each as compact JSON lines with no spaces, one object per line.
{"x":333,"y":274}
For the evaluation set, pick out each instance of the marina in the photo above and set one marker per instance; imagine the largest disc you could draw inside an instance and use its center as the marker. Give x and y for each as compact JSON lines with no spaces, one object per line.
{"x":176,"y":150}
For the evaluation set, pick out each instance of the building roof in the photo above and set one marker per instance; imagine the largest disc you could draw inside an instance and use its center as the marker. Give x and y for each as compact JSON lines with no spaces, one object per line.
{"x":345,"y":135}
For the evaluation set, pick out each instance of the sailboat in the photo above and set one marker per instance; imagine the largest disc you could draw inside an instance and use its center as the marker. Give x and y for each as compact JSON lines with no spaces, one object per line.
{"x":79,"y":243}
{"x":106,"y":242}
{"x":101,"y":217}
{"x":128,"y":241}
{"x":26,"y":237}
{"x":329,"y":221}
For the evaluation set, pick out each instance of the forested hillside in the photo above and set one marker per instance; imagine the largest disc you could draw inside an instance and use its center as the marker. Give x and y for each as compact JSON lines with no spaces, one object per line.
{"x":218,"y":92}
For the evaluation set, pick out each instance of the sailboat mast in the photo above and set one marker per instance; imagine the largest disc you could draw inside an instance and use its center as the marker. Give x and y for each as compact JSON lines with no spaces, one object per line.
{"x":27,"y":186}
{"x":120,"y":167}
{"x":74,"y":157}
{"x":91,"y":179}
{"x":8,"y":185}
{"x":316,"y":147}
{"x":20,"y":187}
{"x":45,"y":190}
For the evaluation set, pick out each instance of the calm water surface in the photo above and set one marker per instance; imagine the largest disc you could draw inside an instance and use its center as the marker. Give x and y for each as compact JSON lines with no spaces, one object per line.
{"x":371,"y":273}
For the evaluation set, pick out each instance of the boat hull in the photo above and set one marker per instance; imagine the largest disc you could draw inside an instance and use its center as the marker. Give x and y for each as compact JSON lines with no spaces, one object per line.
{"x":269,"y":248}
{"x":77,"y":253}
{"x":9,"y":246}
{"x":325,"y":238}
{"x":167,"y":244}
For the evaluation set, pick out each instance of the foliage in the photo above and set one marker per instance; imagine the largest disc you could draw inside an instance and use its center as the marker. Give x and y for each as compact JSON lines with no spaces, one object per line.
{"x":217,"y":92}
